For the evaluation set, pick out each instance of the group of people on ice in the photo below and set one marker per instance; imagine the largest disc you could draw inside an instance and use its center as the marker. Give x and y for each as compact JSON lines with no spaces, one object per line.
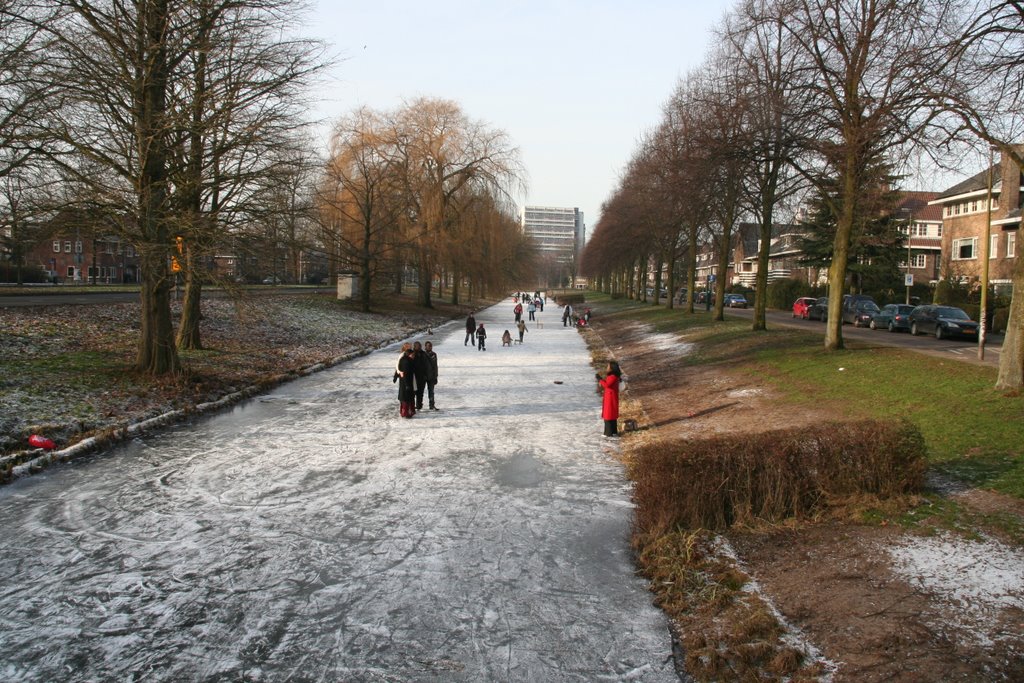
{"x":570,"y":318}
{"x":415,"y":373}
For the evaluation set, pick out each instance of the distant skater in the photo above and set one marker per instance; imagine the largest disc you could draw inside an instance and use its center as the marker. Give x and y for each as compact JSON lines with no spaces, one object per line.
{"x":522,"y":328}
{"x":610,"y":403}
{"x":506,"y":338}
{"x":419,"y":370}
{"x":470,"y":329}
{"x":481,"y":338}
{"x":518,"y":310}
{"x":428,"y":353}
{"x":531,"y":308}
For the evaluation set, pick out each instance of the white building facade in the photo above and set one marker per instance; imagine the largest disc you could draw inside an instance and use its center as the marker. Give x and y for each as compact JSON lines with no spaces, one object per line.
{"x":554,"y":231}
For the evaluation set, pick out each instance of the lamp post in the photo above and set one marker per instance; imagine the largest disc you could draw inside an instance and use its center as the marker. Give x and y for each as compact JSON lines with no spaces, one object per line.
{"x":910,"y":229}
{"x":985,"y":246}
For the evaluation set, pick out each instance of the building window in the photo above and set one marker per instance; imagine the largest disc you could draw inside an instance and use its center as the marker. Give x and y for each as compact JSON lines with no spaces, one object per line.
{"x":918,"y":261}
{"x":949,"y":210}
{"x":957,"y":209}
{"x":78,"y":246}
{"x":993,"y":246}
{"x":939,"y":230}
{"x":67,"y":247}
{"x":71,"y":272}
{"x":1011,"y":244}
{"x":56,"y":246}
{"x":963,"y":249}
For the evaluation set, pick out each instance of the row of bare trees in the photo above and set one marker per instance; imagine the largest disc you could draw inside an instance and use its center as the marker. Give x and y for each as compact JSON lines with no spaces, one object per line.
{"x":178,"y":125}
{"x":427,"y":188}
{"x":161,"y":121}
{"x":814,"y":100}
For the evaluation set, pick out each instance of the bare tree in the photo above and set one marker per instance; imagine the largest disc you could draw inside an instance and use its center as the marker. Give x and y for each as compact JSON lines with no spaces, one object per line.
{"x":766,"y":66}
{"x":866,"y":67}
{"x":24,"y":94}
{"x":360,"y":198}
{"x":443,"y":152}
{"x":984,"y":92}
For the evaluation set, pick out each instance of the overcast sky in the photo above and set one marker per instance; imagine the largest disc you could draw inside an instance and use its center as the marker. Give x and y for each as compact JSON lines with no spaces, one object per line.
{"x":572,"y":82}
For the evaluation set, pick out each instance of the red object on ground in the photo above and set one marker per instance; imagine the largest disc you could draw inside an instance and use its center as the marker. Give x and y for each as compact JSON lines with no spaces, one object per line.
{"x":37,"y":441}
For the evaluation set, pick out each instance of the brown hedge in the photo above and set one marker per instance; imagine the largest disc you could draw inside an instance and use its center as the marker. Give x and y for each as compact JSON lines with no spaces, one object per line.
{"x":727,"y":479}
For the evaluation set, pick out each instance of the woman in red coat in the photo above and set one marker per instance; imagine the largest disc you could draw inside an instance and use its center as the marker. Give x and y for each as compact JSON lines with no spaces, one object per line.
{"x":610,"y":407}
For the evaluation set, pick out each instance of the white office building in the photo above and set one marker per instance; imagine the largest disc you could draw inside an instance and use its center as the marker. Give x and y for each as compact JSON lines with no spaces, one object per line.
{"x":556,"y":231}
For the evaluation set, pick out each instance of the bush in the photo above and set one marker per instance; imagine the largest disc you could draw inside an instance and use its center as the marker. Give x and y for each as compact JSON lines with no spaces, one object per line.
{"x":741,"y":478}
{"x":8,"y":273}
{"x":572,"y":298}
{"x":1000,"y":318}
{"x":783,"y":293}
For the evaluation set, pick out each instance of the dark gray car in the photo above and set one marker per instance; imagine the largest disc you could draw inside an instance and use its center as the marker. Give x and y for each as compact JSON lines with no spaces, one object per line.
{"x":942,"y":321}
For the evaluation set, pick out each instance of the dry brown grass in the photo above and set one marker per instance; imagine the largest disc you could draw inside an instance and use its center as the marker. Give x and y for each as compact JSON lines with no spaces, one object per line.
{"x":772,"y":476}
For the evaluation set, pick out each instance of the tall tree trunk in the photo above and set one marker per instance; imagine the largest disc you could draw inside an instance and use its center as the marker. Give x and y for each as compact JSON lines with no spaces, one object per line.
{"x":157,"y":354}
{"x":1011,"y":358}
{"x":840,"y":255}
{"x":188,"y":326}
{"x":456,"y":281}
{"x":425,"y":274}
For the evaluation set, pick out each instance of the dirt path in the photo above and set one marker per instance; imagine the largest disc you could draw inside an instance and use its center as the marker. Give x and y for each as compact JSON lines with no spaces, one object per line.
{"x":881,"y":603}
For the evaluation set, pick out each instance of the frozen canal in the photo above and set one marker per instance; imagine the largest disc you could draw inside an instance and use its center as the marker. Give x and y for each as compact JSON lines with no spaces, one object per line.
{"x":313,"y":535}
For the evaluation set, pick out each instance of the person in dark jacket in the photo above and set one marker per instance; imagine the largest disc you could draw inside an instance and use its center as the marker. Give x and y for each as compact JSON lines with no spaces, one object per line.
{"x":610,"y":403}
{"x":428,"y":353}
{"x":481,"y":338}
{"x":470,"y":329}
{"x":419,"y":370}
{"x":406,"y":378}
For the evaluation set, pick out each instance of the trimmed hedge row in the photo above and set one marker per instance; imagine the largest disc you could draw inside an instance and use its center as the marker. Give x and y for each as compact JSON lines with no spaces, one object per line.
{"x":771,"y":476}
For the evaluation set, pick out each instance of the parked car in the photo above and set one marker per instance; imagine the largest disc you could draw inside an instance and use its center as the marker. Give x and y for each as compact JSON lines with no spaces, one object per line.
{"x":272,"y":280}
{"x":818,"y":310}
{"x":856,"y":311}
{"x":862,"y":313}
{"x":943,"y":321}
{"x":801,"y":305}
{"x":892,"y":317}
{"x":735,"y":301}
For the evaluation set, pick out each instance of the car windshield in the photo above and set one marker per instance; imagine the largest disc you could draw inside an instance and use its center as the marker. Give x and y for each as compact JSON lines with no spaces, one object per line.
{"x":954,"y":313}
{"x":904,"y":309}
{"x":868,"y":306}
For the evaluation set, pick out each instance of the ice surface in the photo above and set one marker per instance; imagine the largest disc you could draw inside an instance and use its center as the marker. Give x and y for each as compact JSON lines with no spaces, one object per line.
{"x":312,"y":534}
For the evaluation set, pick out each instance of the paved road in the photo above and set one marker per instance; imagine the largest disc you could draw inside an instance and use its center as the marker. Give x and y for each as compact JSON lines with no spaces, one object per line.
{"x":958,"y":349}
{"x":313,"y":535}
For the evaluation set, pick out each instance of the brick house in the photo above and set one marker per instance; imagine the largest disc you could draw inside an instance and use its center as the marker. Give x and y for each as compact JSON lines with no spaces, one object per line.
{"x":965,"y":211}
{"x":70,"y":250}
{"x":923,"y":229}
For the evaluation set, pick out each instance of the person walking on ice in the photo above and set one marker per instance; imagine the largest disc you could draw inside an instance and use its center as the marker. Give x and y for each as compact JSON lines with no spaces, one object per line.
{"x":470,"y":329}
{"x":431,"y":358}
{"x":481,"y":338}
{"x":406,"y":380}
{"x":610,"y":401}
{"x":522,"y":328}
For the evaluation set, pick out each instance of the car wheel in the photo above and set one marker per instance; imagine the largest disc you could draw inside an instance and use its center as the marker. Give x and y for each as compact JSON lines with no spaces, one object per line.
{"x":938,"y":332}
{"x":892,"y":326}
{"x":872,"y":325}
{"x":913,"y":329}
